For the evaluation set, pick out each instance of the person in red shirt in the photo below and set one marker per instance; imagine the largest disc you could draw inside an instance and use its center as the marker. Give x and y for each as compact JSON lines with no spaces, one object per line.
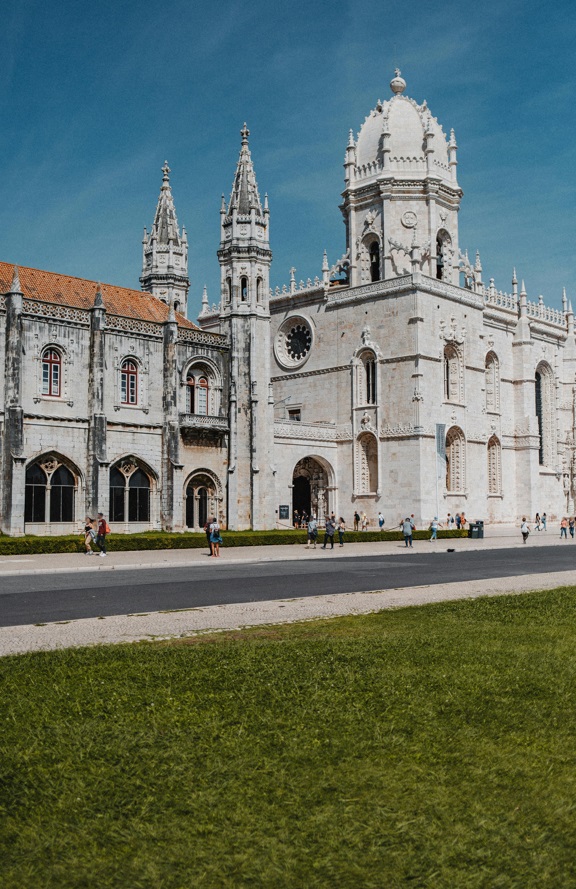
{"x":103,"y":530}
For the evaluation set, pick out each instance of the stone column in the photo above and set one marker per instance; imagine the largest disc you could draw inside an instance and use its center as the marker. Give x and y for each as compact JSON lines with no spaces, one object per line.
{"x":13,"y":460}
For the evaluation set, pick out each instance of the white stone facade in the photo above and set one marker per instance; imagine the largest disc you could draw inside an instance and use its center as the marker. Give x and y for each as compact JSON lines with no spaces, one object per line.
{"x":396,"y":381}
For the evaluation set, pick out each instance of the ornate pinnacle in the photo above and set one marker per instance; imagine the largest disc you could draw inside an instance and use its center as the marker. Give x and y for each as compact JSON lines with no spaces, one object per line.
{"x":15,"y":288}
{"x":98,"y":301}
{"x":165,"y":174}
{"x":244,"y":132}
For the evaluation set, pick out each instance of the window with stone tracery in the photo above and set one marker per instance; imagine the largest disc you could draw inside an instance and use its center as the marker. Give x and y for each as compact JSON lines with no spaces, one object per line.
{"x":129,"y":382}
{"x":492,"y":380}
{"x":129,"y":493}
{"x":366,"y":379}
{"x":453,"y":374}
{"x":494,"y":466}
{"x":545,"y":413}
{"x":49,"y":494}
{"x":367,"y":464}
{"x":202,"y":392}
{"x":51,"y":372}
{"x":443,"y":255}
{"x":455,"y":460}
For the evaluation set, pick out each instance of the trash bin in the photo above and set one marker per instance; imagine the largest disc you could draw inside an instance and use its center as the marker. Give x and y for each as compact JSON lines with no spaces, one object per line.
{"x":480,"y":529}
{"x":474,"y":531}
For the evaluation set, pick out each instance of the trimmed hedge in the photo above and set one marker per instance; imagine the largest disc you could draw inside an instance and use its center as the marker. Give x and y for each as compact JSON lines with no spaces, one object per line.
{"x":12,"y":546}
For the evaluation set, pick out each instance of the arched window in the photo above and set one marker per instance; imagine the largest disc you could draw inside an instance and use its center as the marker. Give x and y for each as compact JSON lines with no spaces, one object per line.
{"x":229,"y":289}
{"x":453,"y":375}
{"x":129,"y":382}
{"x":201,"y":500}
{"x":494,"y":466}
{"x":455,"y":460}
{"x":129,"y":493}
{"x":492,"y":379}
{"x":202,"y":396}
{"x":370,"y":379}
{"x":191,"y":394}
{"x":176,"y":305}
{"x":62,"y":495}
{"x":374,"y":261}
{"x":35,"y":494}
{"x":443,"y":244}
{"x":367,"y":464}
{"x":51,"y":372}
{"x":243,"y":289}
{"x":258,"y":289}
{"x":545,"y":413}
{"x":49,"y":492}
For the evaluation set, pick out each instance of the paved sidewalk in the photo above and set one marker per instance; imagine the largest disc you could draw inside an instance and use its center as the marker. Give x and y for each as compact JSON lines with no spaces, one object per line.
{"x":497,"y":537}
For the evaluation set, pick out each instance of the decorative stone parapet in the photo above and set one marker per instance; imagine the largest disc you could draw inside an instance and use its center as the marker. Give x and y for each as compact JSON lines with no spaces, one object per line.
{"x":201,"y":421}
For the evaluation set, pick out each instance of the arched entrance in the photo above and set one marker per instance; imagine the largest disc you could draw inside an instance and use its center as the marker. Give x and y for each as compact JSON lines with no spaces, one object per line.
{"x":201,"y":500}
{"x":311,"y":488}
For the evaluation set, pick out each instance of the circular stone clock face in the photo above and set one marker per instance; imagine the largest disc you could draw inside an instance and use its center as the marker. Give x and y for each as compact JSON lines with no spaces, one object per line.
{"x":409,"y":219}
{"x":293,"y":342}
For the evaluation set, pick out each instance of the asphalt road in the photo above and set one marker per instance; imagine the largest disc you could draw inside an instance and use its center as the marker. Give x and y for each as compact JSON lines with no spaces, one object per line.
{"x":43,"y":598}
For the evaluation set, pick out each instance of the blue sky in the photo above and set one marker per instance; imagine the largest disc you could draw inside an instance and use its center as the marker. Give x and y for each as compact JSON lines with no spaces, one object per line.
{"x":94,"y":97}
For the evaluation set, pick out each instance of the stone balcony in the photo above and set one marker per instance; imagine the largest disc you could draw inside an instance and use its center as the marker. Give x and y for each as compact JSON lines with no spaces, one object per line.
{"x":203,"y":423}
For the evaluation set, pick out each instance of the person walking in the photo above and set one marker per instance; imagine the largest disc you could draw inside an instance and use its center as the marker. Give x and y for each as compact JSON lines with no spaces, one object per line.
{"x":537,"y":522}
{"x":571,"y":523}
{"x":103,"y":530}
{"x":407,"y":528}
{"x":215,"y":538}
{"x":329,"y":533}
{"x":207,"y":533}
{"x":564,"y":528}
{"x":356,"y":520}
{"x":381,"y":521}
{"x":434,"y":525}
{"x":364,"y":521}
{"x":458,"y":521}
{"x":544,"y":520}
{"x":525,"y":529}
{"x":89,"y":536}
{"x":312,"y":532}
{"x":341,"y":530}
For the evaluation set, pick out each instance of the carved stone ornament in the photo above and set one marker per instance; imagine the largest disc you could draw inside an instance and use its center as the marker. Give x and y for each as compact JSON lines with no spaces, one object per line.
{"x":450,"y":333}
{"x":369,"y":218}
{"x":127,"y":467}
{"x":409,"y":219}
{"x":50,"y":465}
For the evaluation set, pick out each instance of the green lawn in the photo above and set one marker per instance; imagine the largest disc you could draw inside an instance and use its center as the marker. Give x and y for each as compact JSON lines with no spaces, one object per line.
{"x":424,"y":747}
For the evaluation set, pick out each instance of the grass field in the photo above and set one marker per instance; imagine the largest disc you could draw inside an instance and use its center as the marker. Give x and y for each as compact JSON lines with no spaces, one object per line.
{"x":424,"y":747}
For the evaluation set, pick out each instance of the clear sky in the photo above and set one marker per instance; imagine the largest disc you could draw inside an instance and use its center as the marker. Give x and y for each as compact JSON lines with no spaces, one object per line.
{"x":95,"y":96}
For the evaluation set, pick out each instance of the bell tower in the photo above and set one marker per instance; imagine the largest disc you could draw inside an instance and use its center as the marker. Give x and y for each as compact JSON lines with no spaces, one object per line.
{"x":245,"y":259}
{"x":165,"y":252}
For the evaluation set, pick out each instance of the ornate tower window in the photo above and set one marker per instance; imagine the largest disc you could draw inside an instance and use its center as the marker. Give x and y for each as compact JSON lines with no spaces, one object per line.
{"x":453,"y":374}
{"x":545,"y":413}
{"x":129,"y":382}
{"x":374,"y":261}
{"x":258,"y":290}
{"x":455,"y":460}
{"x":51,"y":372}
{"x":494,"y":466}
{"x":443,"y":255}
{"x":244,"y":289}
{"x":370,"y":379}
{"x":492,"y":379}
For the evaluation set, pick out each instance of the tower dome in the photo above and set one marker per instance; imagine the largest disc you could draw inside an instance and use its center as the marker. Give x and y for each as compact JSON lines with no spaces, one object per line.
{"x":398,"y":135}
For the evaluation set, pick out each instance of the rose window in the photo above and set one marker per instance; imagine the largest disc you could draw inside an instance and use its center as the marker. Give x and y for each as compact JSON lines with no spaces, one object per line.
{"x":293,"y":342}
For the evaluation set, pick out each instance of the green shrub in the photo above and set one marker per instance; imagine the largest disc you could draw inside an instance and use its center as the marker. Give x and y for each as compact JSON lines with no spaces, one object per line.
{"x":155,"y":540}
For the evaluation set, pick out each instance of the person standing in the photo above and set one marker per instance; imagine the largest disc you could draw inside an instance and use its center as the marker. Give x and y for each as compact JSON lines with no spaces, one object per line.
{"x":207,"y":533}
{"x":89,"y":536}
{"x":564,"y":528}
{"x":537,"y":522}
{"x":341,"y":529}
{"x":434,"y":525}
{"x":356,"y":521}
{"x":458,"y":520}
{"x":102,"y":531}
{"x":215,"y":538}
{"x":296,"y":519}
{"x":312,"y":532}
{"x":571,"y":523}
{"x":364,"y":521}
{"x":381,"y":520}
{"x":329,"y":533}
{"x":544,"y":520}
{"x":525,"y":530}
{"x":407,"y":528}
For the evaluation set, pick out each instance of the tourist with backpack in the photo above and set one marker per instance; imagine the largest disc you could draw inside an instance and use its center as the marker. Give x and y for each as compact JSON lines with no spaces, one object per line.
{"x":103,"y":531}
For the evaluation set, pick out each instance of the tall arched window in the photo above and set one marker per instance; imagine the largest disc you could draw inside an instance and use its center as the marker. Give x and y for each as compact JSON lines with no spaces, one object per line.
{"x":51,"y":372}
{"x":202,"y":396}
{"x":129,"y":382}
{"x":129,"y":493}
{"x":62,"y":495}
{"x":374,"y":261}
{"x":494,"y":466}
{"x":229,"y":290}
{"x":367,"y":464}
{"x":455,"y":460}
{"x":443,"y":244}
{"x":546,"y":414}
{"x":35,"y":494}
{"x":258,"y":289}
{"x":370,"y":378}
{"x":492,"y":379}
{"x":453,"y":374}
{"x":201,"y":391}
{"x":243,"y":289}
{"x":191,"y":394}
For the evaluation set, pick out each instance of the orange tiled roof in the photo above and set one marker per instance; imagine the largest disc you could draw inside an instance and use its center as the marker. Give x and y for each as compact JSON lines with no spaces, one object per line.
{"x":64,"y":290}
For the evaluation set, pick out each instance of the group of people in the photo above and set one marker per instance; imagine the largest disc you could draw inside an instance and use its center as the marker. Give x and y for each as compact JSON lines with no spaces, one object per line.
{"x":567,"y":525}
{"x":331,"y":526}
{"x":96,"y":535}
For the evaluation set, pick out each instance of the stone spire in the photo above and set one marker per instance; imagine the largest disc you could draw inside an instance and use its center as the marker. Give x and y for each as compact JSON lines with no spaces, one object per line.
{"x":245,"y":197}
{"x":165,"y":252}
{"x":15,"y":286}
